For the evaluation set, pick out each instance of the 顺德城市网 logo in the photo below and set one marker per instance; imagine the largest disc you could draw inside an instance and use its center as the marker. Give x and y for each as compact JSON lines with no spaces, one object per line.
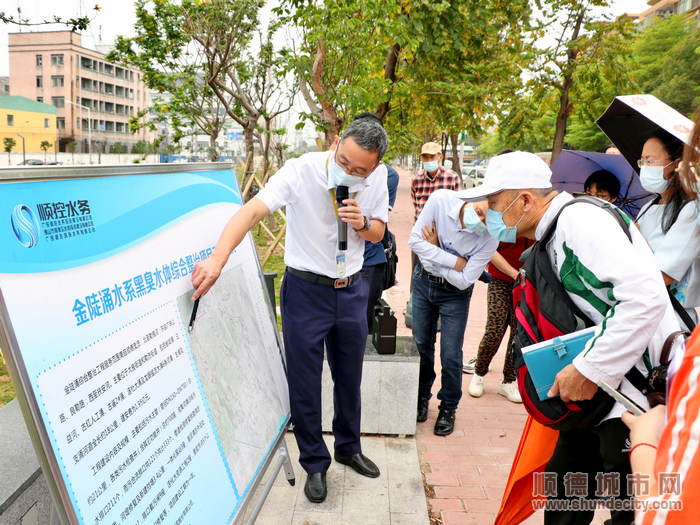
{"x":25,"y":225}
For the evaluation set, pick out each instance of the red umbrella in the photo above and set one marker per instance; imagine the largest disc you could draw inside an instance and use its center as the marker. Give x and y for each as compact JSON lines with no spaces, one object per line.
{"x":536,"y":447}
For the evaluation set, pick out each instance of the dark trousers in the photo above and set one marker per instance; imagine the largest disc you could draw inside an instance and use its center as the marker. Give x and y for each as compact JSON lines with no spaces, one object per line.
{"x":375,"y":278}
{"x":601,"y":449}
{"x":311,"y":314}
{"x":430,"y":301}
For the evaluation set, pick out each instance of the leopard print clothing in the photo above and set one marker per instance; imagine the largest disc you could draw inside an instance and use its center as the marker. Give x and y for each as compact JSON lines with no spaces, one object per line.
{"x":500,"y":315}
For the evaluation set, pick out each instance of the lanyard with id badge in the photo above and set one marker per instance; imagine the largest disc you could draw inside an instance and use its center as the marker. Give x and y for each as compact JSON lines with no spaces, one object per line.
{"x":340,"y":266}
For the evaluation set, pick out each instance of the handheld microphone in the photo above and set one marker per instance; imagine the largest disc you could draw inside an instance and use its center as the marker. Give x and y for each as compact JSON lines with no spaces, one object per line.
{"x":341,"y":193}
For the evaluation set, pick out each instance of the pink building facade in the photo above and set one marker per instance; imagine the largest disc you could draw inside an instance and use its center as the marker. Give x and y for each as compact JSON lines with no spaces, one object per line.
{"x":53,"y":67}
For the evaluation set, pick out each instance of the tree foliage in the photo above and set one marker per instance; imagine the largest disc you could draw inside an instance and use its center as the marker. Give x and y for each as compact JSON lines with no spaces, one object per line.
{"x":205,"y":57}
{"x":424,"y":67}
{"x":588,"y":62}
{"x":668,"y":63}
{"x":9,"y":143}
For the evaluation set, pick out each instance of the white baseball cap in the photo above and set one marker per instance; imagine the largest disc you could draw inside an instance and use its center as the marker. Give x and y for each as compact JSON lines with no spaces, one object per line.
{"x":518,"y":170}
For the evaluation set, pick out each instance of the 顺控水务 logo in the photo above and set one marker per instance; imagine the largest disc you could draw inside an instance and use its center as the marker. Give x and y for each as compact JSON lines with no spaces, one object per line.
{"x":25,"y":225}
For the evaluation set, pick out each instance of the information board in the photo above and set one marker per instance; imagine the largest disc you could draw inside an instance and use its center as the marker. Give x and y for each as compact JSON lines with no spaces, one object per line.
{"x":140,"y":420}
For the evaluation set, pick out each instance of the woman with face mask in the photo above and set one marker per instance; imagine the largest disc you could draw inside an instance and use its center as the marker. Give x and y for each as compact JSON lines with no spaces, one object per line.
{"x":669,"y":222}
{"x":664,"y":441}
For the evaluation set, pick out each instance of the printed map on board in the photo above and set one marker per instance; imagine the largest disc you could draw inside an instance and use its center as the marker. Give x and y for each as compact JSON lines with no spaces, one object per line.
{"x":235,"y":370}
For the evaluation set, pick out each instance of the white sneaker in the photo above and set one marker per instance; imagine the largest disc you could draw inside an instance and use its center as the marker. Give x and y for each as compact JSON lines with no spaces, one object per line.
{"x":476,"y":387}
{"x":510,"y":392}
{"x":469,"y":366}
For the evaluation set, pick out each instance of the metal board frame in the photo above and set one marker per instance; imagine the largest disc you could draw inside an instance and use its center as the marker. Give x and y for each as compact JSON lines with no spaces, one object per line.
{"x":13,"y":356}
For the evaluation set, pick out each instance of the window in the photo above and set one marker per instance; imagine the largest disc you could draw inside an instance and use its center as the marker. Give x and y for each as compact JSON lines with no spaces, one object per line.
{"x":109,"y":107}
{"x":38,"y":60}
{"x":59,"y":102}
{"x":131,"y":76}
{"x":77,"y":100}
{"x":47,"y":125}
{"x":138,"y":95}
{"x":10,"y":120}
{"x":57,"y":60}
{"x":102,"y":67}
{"x":57,"y":81}
{"x":7,"y":88}
{"x":102,"y":106}
{"x":40,"y":82}
{"x":86,"y":83}
{"x":40,"y":99}
{"x":60,"y":123}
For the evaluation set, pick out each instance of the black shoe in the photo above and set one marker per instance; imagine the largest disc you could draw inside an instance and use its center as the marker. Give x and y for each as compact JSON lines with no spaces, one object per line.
{"x":315,"y":488}
{"x":445,"y":424}
{"x":359,"y":463}
{"x":422,"y":409}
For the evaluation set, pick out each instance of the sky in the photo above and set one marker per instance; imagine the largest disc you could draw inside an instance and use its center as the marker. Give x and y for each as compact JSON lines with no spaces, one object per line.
{"x":117,"y":17}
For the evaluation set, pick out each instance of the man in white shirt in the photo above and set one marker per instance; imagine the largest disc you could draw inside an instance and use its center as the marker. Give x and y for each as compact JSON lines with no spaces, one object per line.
{"x":323,"y":298}
{"x":617,"y":284}
{"x":453,"y":247}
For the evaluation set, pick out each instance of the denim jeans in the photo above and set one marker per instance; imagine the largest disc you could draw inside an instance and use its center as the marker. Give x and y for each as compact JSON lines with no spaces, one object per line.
{"x":430,"y":301}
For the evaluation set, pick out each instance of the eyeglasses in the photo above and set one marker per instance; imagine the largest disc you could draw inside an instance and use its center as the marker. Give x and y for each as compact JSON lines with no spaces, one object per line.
{"x":644,"y":162}
{"x":604,"y":196}
{"x":347,"y":170}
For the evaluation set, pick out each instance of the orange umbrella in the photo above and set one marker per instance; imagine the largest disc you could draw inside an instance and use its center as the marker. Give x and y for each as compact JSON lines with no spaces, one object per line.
{"x":536,"y":447}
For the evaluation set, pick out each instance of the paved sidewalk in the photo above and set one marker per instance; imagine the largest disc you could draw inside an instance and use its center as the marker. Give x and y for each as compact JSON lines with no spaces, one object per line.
{"x":396,"y":497}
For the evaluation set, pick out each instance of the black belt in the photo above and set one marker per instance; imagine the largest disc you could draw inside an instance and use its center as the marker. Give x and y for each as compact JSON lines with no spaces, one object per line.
{"x":322,"y":279}
{"x":432,"y":278}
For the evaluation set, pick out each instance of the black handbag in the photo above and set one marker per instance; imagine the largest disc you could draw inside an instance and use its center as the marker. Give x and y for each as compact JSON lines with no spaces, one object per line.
{"x":653,"y":386}
{"x":389,"y":244}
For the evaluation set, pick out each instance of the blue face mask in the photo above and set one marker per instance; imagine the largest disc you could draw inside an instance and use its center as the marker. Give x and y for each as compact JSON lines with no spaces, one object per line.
{"x":431,"y":166}
{"x":340,"y":178}
{"x":498,"y":229}
{"x":652,"y":178}
{"x":472,"y":221}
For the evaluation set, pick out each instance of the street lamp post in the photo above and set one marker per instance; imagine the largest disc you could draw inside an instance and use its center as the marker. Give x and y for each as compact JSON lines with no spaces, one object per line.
{"x":24,"y":153}
{"x":89,"y":127}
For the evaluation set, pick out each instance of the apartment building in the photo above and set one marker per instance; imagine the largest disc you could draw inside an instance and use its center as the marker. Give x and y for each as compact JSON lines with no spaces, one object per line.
{"x":685,"y":8}
{"x":94,"y":98}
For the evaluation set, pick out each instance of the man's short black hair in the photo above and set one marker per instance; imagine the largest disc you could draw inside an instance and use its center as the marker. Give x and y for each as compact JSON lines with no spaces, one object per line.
{"x":367,"y":131}
{"x":604,"y":181}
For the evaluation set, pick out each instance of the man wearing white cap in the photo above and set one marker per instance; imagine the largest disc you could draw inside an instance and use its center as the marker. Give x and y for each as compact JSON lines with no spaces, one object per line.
{"x":616,"y":283}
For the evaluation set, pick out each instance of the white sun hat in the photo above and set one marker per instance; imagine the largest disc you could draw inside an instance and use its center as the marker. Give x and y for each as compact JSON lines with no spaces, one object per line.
{"x":518,"y":170}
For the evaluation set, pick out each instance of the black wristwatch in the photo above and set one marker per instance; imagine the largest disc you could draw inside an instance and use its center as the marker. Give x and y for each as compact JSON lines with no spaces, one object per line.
{"x":366,"y":226}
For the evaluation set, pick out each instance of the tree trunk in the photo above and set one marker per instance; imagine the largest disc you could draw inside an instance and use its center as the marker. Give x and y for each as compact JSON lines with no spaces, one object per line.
{"x":560,"y":132}
{"x":213,"y":153}
{"x":389,"y":74}
{"x":565,"y":106}
{"x":249,"y":134}
{"x":456,"y":161}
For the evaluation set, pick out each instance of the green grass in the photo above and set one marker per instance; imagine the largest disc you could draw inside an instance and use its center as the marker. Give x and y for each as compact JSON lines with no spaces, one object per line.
{"x":274,"y":264}
{"x":7,"y":389}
